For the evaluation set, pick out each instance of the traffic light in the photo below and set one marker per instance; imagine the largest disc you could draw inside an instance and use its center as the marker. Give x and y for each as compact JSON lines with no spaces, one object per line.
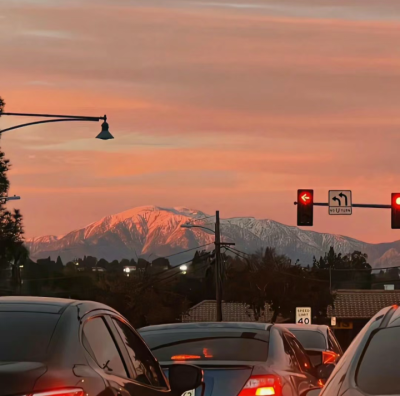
{"x":305,"y":208}
{"x":396,"y":211}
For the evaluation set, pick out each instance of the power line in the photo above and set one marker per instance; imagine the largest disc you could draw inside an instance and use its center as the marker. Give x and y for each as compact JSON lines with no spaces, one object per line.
{"x":171,"y":269}
{"x":188,"y":250}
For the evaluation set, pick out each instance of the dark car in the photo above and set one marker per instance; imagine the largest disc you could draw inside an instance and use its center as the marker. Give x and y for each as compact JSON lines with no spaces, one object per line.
{"x":319,"y":342}
{"x":57,"y":347}
{"x":371,"y":365}
{"x":244,"y":359}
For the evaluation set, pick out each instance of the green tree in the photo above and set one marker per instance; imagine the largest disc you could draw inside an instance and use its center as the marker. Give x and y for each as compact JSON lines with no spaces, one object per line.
{"x":2,"y":104}
{"x":12,"y":250}
{"x":350,"y":271}
{"x":268,"y":277}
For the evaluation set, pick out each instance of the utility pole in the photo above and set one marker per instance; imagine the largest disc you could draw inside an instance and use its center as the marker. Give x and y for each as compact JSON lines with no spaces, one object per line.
{"x":218,"y":264}
{"x":218,"y":271}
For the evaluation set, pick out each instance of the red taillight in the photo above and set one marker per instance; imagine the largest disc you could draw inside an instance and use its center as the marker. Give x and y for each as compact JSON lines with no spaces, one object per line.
{"x":185,"y":357}
{"x":262,"y":385}
{"x":329,"y":357}
{"x":61,"y":392}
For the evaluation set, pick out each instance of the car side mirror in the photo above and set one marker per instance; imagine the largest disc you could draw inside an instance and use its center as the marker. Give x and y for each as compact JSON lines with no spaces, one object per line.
{"x":184,"y":377}
{"x":325,"y":370}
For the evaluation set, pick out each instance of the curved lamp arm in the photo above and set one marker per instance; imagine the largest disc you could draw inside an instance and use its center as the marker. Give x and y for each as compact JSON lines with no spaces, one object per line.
{"x":103,"y":135}
{"x":45,"y":122}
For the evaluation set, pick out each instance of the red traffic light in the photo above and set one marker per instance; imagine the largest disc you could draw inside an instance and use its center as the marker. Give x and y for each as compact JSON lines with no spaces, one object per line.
{"x":395,"y":211}
{"x":396,"y":199}
{"x":305,"y":197}
{"x":305,"y":208}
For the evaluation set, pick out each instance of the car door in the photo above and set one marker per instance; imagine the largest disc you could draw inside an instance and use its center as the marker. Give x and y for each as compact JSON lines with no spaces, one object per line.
{"x":148,"y":378}
{"x":104,"y":356}
{"x":309,"y":380}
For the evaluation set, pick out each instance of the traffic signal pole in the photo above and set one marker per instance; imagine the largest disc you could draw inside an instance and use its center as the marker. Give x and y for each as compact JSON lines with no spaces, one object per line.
{"x":371,"y":206}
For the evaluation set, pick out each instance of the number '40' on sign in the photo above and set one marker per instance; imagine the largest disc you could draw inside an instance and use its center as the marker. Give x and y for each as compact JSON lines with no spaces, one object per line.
{"x":305,"y":321}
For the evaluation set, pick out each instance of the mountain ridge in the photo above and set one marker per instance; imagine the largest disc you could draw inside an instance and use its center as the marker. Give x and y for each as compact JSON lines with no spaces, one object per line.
{"x":154,"y":231}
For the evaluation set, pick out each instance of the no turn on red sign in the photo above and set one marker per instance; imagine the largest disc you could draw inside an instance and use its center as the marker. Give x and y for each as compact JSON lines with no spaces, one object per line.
{"x":303,"y":315}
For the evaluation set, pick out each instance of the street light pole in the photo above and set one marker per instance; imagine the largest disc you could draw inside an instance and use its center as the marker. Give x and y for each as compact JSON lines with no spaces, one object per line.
{"x":103,"y":135}
{"x":218,"y":272}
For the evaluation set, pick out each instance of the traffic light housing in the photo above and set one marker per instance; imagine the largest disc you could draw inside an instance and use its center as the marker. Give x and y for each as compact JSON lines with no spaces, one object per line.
{"x":395,"y":211}
{"x":305,"y":208}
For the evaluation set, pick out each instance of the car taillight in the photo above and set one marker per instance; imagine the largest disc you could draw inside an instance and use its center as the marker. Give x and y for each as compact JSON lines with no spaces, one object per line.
{"x":185,"y":357}
{"x":262,"y":385}
{"x":329,"y":357}
{"x":61,"y":392}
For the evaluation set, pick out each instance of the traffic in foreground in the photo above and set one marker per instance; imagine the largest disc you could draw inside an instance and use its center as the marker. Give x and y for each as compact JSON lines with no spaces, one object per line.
{"x":371,"y":365}
{"x":57,"y":347}
{"x":245,"y":359}
{"x":60,"y":347}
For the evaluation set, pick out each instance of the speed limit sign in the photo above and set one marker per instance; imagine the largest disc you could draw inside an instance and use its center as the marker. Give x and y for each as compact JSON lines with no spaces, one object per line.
{"x":303,"y":315}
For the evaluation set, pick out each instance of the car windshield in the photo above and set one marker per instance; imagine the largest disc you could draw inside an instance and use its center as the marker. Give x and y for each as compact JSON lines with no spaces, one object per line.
{"x":25,"y":336}
{"x":379,"y":370}
{"x":310,"y":339}
{"x":208,"y":346}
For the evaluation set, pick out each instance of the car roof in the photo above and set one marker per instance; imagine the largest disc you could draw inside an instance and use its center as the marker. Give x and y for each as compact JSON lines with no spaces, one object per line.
{"x":47,"y":305}
{"x":207,"y":325}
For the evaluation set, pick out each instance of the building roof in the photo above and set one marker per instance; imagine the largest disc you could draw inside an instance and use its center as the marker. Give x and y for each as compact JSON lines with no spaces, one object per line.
{"x":231,"y":312}
{"x":362,"y":304}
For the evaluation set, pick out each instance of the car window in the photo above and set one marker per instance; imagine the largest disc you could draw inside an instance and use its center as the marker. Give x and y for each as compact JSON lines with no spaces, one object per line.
{"x":379,"y":369}
{"x":302,"y":357}
{"x":200,"y":346}
{"x":291,"y":359}
{"x":100,"y":344}
{"x":310,"y":339}
{"x":25,"y":336}
{"x":333,"y":343}
{"x":147,"y":369}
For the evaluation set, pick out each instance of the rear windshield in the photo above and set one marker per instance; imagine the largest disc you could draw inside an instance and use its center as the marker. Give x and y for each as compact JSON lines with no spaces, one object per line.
{"x":379,"y":370}
{"x":25,"y":336}
{"x":208,"y":346}
{"x":310,"y":339}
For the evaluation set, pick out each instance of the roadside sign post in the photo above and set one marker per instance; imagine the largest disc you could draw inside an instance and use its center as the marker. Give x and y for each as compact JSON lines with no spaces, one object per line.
{"x":340,"y":202}
{"x":303,"y":315}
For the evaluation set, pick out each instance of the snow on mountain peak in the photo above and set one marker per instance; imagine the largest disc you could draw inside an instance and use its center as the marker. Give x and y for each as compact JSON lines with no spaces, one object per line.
{"x":153,"y":231}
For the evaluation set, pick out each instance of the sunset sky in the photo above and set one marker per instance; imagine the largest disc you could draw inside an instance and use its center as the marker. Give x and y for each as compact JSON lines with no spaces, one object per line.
{"x":214,"y":104}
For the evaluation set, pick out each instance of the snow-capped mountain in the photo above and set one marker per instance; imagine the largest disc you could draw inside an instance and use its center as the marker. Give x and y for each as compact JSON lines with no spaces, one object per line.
{"x":151,"y":232}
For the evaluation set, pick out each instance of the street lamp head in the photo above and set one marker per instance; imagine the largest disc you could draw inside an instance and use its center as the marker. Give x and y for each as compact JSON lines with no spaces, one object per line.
{"x":105,"y":133}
